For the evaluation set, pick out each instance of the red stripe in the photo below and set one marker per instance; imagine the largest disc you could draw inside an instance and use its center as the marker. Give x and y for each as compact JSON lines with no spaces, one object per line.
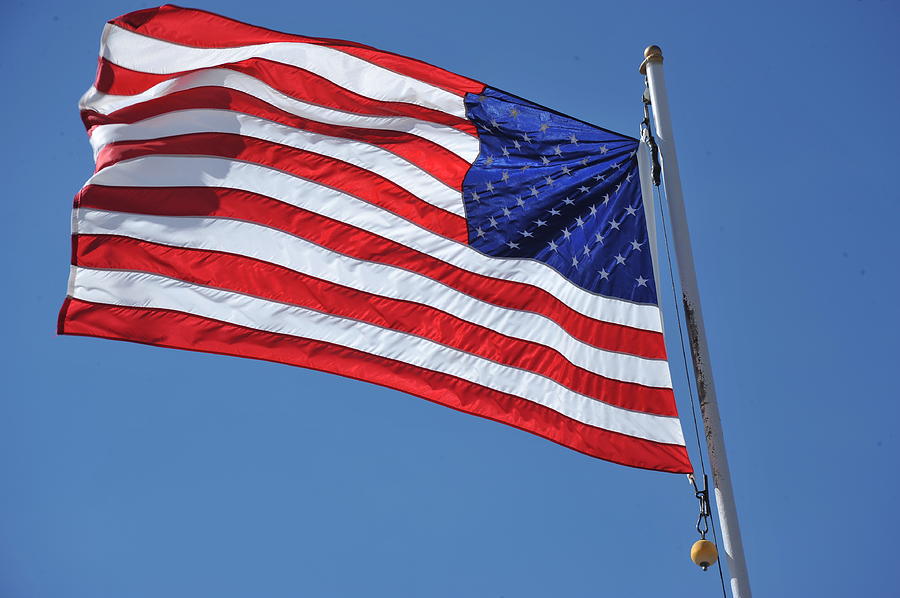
{"x":289,"y":80}
{"x":179,"y":330}
{"x":262,"y":279}
{"x":354,"y":242}
{"x":120,"y":81}
{"x":331,"y":172}
{"x":437,"y":161}
{"x":203,"y":29}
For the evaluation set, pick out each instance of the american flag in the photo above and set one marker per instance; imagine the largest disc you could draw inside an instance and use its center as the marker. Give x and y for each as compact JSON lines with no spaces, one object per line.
{"x":328,"y":205}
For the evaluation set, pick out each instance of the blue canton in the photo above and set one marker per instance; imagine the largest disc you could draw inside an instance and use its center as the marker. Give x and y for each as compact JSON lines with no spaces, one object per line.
{"x":552,"y":188}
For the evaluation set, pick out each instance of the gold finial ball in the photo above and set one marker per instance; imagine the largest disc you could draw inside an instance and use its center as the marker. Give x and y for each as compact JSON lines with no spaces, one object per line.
{"x":704,"y":554}
{"x":653,"y":52}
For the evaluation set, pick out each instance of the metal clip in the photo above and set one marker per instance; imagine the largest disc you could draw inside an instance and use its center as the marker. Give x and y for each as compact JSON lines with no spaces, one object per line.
{"x":705,"y":510}
{"x":647,"y":137}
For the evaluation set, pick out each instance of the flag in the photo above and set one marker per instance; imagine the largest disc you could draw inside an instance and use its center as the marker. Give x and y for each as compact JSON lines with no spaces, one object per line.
{"x":328,"y":205}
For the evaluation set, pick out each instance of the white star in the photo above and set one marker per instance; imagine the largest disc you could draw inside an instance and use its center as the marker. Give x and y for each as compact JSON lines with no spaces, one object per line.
{"x":565,"y":170}
{"x":517,"y":144}
{"x":583,"y":189}
{"x":586,"y":250}
{"x":636,"y":245}
{"x":525,"y":234}
{"x":544,"y":127}
{"x":566,"y":233}
{"x":598,"y":237}
{"x":475,"y":196}
{"x":604,"y":275}
{"x":534,"y":190}
{"x":600,"y":177}
{"x":489,"y":160}
{"x":549,"y":180}
{"x":495,"y":124}
{"x":568,"y":201}
{"x":553,"y":246}
{"x":593,"y":210}
{"x":512,"y":245}
{"x":616,"y":165}
{"x":554,"y":212}
{"x":584,"y":161}
{"x":614,"y":224}
{"x":479,"y":232}
{"x":505,"y":152}
{"x":490,"y":186}
{"x":524,"y":168}
{"x":620,"y":259}
{"x":539,"y":223}
{"x":642,"y":282}
{"x":505,"y":176}
{"x":520,"y":202}
{"x":514,"y":112}
{"x":506,"y":212}
{"x":575,"y":261}
{"x":493,"y":221}
{"x":606,"y":199}
{"x":629,"y":176}
{"x":526,"y":138}
{"x":619,"y":186}
{"x":631,"y":210}
{"x":579,"y":221}
{"x":573,"y":139}
{"x":545,"y":160}
{"x":557,"y":150}
{"x":603,"y":149}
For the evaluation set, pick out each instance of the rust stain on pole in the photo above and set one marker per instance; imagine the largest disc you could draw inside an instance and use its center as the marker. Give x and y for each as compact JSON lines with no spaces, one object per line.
{"x":693,"y":330}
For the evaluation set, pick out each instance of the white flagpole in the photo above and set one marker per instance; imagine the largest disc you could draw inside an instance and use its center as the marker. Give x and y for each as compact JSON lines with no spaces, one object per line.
{"x":715,"y":440}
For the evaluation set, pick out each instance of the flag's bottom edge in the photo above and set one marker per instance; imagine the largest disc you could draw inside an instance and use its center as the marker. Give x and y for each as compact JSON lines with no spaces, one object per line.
{"x":179,"y":330}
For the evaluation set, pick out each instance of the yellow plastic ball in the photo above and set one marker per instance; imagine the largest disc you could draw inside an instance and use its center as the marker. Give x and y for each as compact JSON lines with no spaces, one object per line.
{"x":704,"y":553}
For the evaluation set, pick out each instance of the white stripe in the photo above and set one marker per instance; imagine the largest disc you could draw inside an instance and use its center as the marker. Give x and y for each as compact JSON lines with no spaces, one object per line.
{"x":464,"y":145}
{"x":146,"y":54}
{"x":369,"y":157}
{"x":140,"y":289}
{"x":186,"y":171}
{"x":277,"y":247}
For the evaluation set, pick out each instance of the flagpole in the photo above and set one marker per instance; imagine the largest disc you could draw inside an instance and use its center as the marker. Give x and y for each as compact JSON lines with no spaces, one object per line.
{"x":715,"y":439}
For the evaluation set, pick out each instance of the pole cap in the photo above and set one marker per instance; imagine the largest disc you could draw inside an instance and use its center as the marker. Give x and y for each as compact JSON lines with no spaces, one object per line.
{"x":651,"y":54}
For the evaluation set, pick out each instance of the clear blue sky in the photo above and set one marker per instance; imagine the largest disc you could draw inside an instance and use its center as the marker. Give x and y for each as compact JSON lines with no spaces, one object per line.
{"x":129,"y":471}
